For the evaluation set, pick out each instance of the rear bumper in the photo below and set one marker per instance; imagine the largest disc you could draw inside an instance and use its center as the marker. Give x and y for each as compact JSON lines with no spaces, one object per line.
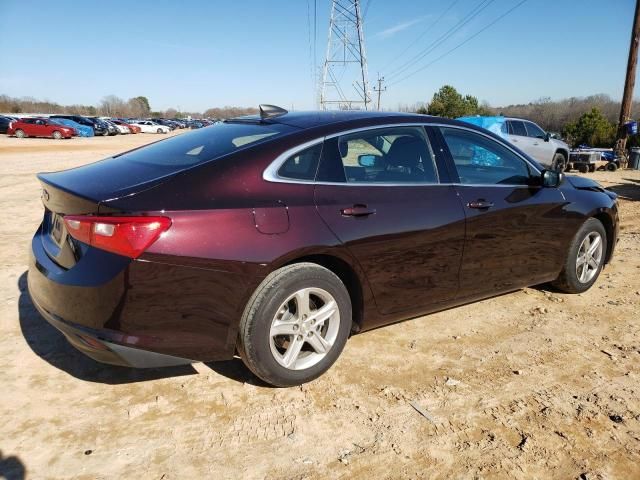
{"x":138,"y":313}
{"x":102,"y":346}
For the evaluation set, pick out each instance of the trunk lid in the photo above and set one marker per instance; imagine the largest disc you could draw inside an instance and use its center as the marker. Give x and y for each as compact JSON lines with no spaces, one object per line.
{"x":82,"y":191}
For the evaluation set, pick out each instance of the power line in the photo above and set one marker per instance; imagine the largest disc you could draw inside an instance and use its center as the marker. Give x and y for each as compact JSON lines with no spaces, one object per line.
{"x":311,"y":65}
{"x":366,"y":9}
{"x":443,"y":38}
{"x":424,"y":32}
{"x":486,"y":27}
{"x":315,"y":32}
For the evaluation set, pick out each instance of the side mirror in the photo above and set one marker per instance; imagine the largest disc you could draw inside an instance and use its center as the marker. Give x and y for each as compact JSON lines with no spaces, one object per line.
{"x":552,"y":178}
{"x":367,"y":160}
{"x":547,"y":137}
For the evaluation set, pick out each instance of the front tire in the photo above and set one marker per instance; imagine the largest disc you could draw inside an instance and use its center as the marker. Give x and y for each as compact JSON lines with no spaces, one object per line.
{"x":159,"y":130}
{"x":611,"y":167}
{"x":295,"y":325}
{"x":559,"y":162}
{"x":57,"y":135}
{"x":585,"y":258}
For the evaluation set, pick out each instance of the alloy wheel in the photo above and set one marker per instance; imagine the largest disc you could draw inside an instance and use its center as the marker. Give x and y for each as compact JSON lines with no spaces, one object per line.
{"x":304,"y":328}
{"x":589,"y":257}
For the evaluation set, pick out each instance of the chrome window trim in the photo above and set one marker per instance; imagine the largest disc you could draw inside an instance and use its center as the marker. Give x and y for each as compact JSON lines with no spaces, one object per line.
{"x":270,"y":174}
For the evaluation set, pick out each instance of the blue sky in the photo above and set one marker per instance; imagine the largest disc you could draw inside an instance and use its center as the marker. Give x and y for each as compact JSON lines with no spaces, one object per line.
{"x":199,"y":54}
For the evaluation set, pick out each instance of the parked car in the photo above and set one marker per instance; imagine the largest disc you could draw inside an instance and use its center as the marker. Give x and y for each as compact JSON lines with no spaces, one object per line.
{"x":167,"y":123}
{"x":132,"y":128}
{"x":40,"y":127}
{"x":111,"y":129}
{"x":122,"y":129}
{"x":99,"y":127}
{"x":528,"y":137}
{"x":83,"y":130}
{"x":147,"y":126}
{"x":4,"y":123}
{"x":286,"y":232}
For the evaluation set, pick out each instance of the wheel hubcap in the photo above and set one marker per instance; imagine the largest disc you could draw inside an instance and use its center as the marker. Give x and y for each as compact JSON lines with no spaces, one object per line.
{"x":304,"y":328}
{"x":589,"y":257}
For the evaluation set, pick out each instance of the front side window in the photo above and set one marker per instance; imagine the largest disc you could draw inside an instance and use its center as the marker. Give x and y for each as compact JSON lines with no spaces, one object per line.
{"x":516,"y":127}
{"x":480,"y":160}
{"x":534,"y":130}
{"x":388,"y":155}
{"x":303,"y":165}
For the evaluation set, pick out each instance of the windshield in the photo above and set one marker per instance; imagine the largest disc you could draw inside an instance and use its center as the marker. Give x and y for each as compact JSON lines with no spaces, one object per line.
{"x":206,"y":144}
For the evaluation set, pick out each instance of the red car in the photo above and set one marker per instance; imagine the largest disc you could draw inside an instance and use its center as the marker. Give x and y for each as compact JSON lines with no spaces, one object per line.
{"x":40,"y":127}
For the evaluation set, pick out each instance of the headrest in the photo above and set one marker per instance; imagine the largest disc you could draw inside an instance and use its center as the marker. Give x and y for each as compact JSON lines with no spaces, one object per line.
{"x":405,"y":152}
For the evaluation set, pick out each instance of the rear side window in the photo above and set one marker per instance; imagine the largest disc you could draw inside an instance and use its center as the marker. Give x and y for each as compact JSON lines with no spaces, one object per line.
{"x":516,"y":127}
{"x":206,"y":144}
{"x":387,"y":155}
{"x":303,"y":165}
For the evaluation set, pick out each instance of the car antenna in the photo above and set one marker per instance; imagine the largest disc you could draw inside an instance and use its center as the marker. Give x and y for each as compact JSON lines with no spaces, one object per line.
{"x":271,"y":111}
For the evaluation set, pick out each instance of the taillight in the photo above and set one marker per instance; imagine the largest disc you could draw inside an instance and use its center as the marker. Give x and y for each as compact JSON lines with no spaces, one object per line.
{"x":128,"y":236}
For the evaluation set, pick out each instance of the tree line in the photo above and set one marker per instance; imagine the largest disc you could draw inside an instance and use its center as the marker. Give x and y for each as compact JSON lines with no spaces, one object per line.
{"x":113,"y":106}
{"x":588,"y":120}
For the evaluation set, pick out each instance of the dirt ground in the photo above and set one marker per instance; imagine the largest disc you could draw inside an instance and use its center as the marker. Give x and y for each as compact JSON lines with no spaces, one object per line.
{"x":533,"y":384}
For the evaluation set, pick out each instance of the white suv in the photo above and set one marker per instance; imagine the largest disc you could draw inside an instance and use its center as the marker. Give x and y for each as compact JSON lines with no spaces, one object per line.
{"x":531,"y":139}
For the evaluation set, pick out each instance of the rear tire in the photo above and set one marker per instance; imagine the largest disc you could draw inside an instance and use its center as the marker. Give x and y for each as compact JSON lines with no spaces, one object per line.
{"x":295,"y":325}
{"x":20,"y":134}
{"x":583,"y":168}
{"x":56,"y":135}
{"x":559,"y":162}
{"x":585,"y":258}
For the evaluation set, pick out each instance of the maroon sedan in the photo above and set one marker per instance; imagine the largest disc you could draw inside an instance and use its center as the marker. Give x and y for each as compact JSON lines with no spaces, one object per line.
{"x":275,"y":237}
{"x":40,"y":127}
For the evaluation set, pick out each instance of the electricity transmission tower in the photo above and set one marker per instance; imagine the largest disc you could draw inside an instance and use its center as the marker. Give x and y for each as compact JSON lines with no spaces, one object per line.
{"x":345,"y":80}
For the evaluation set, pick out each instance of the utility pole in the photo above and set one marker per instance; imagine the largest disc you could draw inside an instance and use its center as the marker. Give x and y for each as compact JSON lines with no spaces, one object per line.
{"x":346,"y":61}
{"x":629,"y":84}
{"x":379,"y":89}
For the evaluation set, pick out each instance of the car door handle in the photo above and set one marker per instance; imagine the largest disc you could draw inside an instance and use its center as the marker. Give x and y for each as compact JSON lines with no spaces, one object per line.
{"x":480,"y":204}
{"x":357,"y":211}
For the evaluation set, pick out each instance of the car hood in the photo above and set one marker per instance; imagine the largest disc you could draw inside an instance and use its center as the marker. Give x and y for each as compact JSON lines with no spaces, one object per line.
{"x":583,"y":183}
{"x":559,"y":143}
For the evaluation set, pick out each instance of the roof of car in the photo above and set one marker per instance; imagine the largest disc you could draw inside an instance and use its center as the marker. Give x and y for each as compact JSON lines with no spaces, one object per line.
{"x":310,"y":119}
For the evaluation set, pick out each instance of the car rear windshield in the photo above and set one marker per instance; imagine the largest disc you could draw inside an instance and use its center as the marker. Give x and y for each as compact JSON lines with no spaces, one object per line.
{"x":197,"y":147}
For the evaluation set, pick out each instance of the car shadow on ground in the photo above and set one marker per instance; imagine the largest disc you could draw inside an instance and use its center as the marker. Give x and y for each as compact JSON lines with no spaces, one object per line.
{"x":235,"y":370}
{"x":628,"y":191}
{"x":11,"y":468}
{"x":50,"y":345}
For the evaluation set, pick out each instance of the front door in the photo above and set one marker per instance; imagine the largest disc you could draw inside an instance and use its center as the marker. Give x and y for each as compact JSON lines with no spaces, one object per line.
{"x":384,"y":201}
{"x":543,"y":150}
{"x":515,"y":227}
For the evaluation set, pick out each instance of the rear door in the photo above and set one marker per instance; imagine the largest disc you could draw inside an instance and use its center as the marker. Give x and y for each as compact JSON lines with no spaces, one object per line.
{"x":519,"y":137}
{"x":380,"y":192}
{"x":514,"y":226}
